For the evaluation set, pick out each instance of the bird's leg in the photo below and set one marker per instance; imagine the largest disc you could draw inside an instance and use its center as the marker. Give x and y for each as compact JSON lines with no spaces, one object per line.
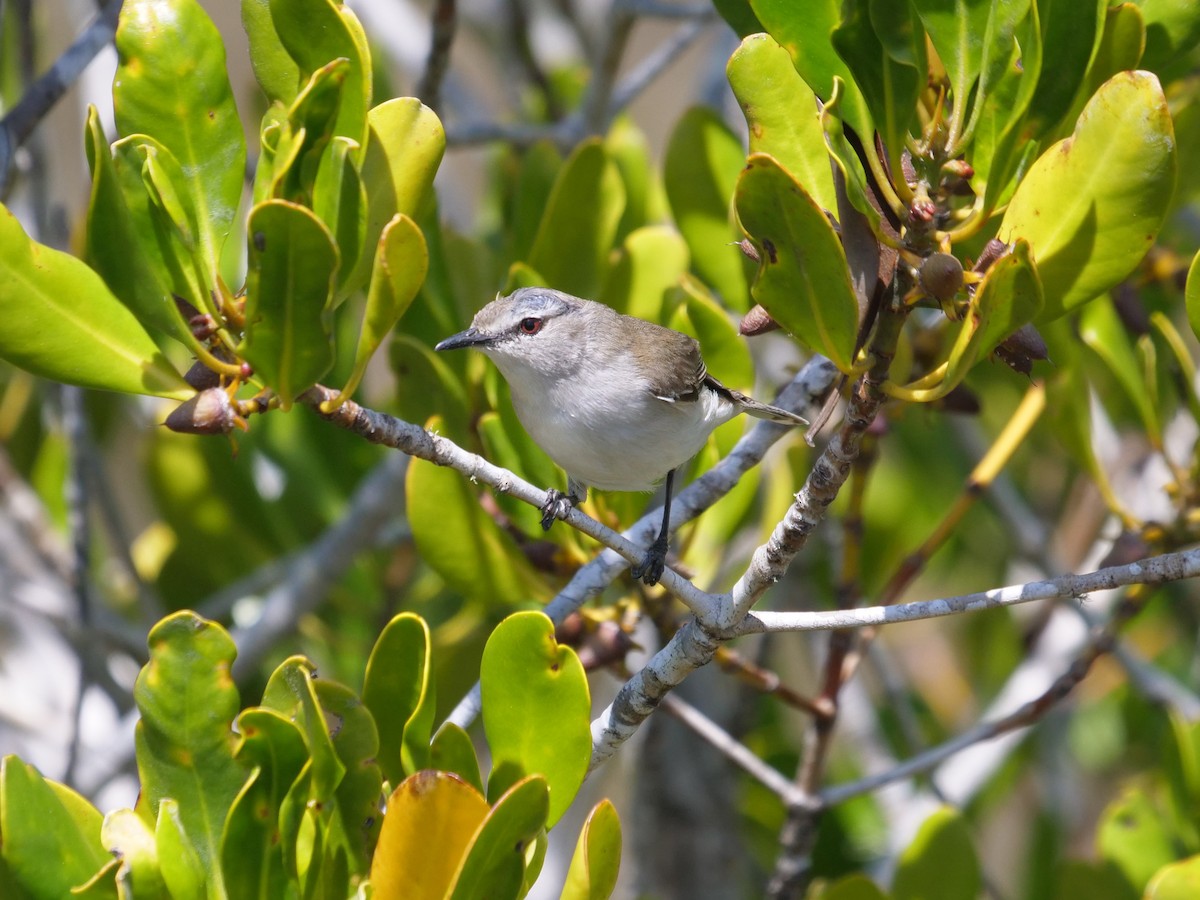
{"x":558,"y":504}
{"x":650,"y":569}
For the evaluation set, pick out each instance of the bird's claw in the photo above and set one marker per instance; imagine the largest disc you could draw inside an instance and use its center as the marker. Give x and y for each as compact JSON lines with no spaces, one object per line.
{"x":652,"y":566}
{"x":556,"y":506}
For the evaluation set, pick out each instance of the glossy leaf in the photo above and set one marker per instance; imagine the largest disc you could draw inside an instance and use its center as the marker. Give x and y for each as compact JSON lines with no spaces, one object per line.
{"x":117,"y":251}
{"x":184,"y":740}
{"x":401,"y":262}
{"x":536,"y":706}
{"x":171,"y":84}
{"x":495,"y":863}
{"x":452,"y":751}
{"x":340,"y":201}
{"x":314,"y":34}
{"x":354,"y":817}
{"x":182,"y":869}
{"x":1120,"y":48}
{"x":289,"y":288}
{"x":460,"y":542}
{"x":251,"y":854}
{"x":427,"y":385}
{"x":887,"y":62}
{"x":51,"y":834}
{"x":539,"y":168}
{"x":291,"y":692}
{"x":1093,"y":204}
{"x":805,"y":30}
{"x":652,"y":260}
{"x":1133,"y":835}
{"x":405,"y":144}
{"x":127,"y":837}
{"x":781,"y":114}
{"x":1070,"y":31}
{"x":1192,"y":295}
{"x":399,"y":693}
{"x":803,"y":280}
{"x":62,"y":322}
{"x":580,"y":221}
{"x":700,"y":171}
{"x":940,"y":861}
{"x":593,"y":871}
{"x":1172,"y":30}
{"x":274,"y":69}
{"x":983,"y":62}
{"x":645,"y":198}
{"x":1176,"y":881}
{"x":428,"y":809}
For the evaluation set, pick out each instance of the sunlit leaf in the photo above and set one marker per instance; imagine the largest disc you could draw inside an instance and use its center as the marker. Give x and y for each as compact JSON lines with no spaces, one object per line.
{"x":399,"y":692}
{"x":593,"y":871}
{"x":1093,"y":204}
{"x":940,"y":860}
{"x":536,"y":706}
{"x":495,"y":863}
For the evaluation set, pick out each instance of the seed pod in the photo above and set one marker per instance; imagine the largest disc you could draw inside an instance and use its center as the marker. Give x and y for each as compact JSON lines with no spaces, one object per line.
{"x":941,"y":276}
{"x":1021,"y":349}
{"x":757,"y":321}
{"x":209,"y":412}
{"x":201,"y":377}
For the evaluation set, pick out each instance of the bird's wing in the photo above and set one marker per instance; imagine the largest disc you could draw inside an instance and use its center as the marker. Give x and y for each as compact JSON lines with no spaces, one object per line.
{"x":680,"y":373}
{"x":754,"y":407}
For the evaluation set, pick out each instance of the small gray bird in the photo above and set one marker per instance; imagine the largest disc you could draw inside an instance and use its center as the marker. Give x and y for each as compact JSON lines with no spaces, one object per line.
{"x":617,"y":402}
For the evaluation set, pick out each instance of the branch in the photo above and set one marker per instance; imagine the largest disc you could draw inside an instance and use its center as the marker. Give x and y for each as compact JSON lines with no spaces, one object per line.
{"x":443,"y":25}
{"x":41,"y":96}
{"x":1156,"y":570}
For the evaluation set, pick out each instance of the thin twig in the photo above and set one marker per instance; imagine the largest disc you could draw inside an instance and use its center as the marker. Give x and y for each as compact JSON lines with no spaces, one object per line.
{"x":41,"y":96}
{"x":443,"y":25}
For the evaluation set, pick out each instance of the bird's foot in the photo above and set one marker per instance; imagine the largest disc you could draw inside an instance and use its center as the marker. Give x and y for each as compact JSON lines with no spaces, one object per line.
{"x":556,"y":506}
{"x":652,"y":566}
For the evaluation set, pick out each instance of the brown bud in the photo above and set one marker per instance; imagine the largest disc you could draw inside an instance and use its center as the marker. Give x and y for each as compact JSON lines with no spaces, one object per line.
{"x":922,"y":210}
{"x":941,"y":276}
{"x":209,"y":412}
{"x":757,"y":321}
{"x":1021,"y":349}
{"x":201,"y":377}
{"x":992,"y":251}
{"x":749,"y":250}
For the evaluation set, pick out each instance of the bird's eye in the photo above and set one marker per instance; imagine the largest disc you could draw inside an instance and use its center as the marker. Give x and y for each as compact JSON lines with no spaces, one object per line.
{"x":531,"y":325}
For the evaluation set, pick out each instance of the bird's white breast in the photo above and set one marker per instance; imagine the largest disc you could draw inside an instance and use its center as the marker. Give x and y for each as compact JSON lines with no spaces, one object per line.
{"x":608,"y":430}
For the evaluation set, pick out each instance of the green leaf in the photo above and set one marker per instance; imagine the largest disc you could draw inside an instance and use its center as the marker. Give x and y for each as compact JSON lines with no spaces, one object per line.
{"x":427,"y":386}
{"x":251,"y":854}
{"x":580,"y":221}
{"x":289,"y":289}
{"x":1192,"y":295}
{"x":805,"y":31}
{"x":291,"y":692}
{"x":51,"y":834}
{"x":846,"y":158}
{"x":182,"y":869}
{"x":1093,"y":204}
{"x":117,"y":251}
{"x":1101,"y":329}
{"x":277,"y":73}
{"x":184,"y":740}
{"x":354,"y":825}
{"x":428,"y":809}
{"x":459,"y":541}
{"x":62,"y":322}
{"x":539,"y":168}
{"x":171,"y":84}
{"x":452,"y":751}
{"x":1176,"y":881}
{"x":940,"y":861}
{"x":536,"y":706}
{"x":988,"y":60}
{"x":495,"y":863}
{"x":340,"y":201}
{"x":645,"y":199}
{"x":852,"y":887}
{"x":1172,"y":31}
{"x":128,"y":838}
{"x":593,"y":871}
{"x":700,"y":172}
{"x":401,"y":262}
{"x":652,"y":260}
{"x":404,"y":148}
{"x":803,"y":280}
{"x":781,"y":114}
{"x":317,"y":32}
{"x":399,"y":693}
{"x":1120,"y":48}
{"x":1132,"y":835}
{"x":739,"y":15}
{"x":1071,"y":31}
{"x":888,"y":64}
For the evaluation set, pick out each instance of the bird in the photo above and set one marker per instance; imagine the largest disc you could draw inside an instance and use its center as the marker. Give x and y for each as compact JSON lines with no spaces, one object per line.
{"x":617,"y":402}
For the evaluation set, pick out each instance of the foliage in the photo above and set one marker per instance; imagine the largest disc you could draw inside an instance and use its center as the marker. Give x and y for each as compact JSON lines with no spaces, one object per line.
{"x":927,"y":189}
{"x":285,"y":799}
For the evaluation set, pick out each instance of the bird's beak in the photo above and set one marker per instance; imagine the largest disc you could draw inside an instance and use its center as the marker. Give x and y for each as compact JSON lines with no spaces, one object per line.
{"x":472,"y":337}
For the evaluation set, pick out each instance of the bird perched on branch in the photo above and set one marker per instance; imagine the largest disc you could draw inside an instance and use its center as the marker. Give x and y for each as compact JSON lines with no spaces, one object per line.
{"x":617,"y":402}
